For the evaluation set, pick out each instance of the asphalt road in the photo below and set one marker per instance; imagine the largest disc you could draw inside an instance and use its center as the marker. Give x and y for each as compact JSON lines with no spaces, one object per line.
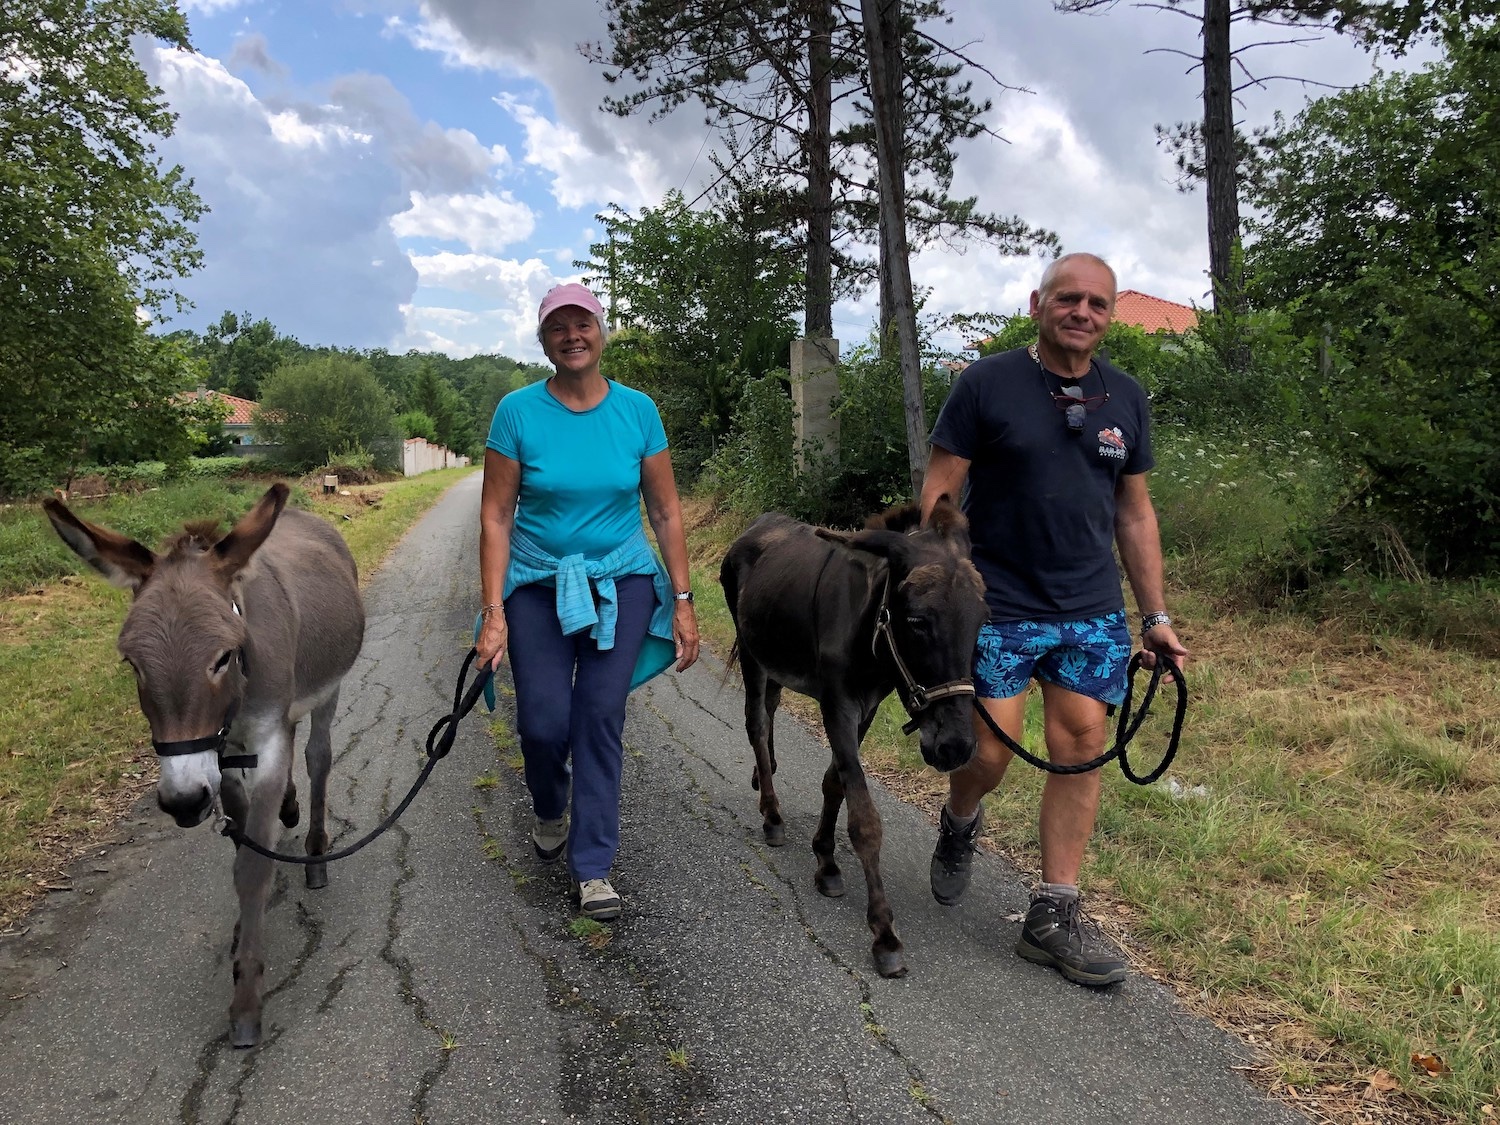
{"x":436,"y":980}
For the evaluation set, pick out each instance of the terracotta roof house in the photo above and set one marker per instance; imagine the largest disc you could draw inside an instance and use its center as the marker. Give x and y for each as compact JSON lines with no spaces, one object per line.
{"x":1153,"y":313}
{"x":237,"y":424}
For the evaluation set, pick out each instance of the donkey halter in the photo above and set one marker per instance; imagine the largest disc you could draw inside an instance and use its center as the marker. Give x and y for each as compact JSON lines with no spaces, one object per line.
{"x":914,"y":697}
{"x":214,"y":742}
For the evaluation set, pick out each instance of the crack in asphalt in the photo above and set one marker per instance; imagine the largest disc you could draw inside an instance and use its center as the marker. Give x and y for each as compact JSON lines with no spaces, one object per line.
{"x":611,"y":1052}
{"x":212,"y":1052}
{"x":761,"y":851}
{"x":406,"y":975}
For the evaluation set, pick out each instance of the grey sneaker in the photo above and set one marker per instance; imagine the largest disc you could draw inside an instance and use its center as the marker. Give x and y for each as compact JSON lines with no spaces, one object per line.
{"x":1053,"y":935}
{"x":598,"y":900}
{"x":953,"y":856}
{"x":549,"y":837}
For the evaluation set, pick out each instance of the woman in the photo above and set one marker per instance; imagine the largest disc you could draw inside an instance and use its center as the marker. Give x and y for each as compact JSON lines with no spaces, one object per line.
{"x":572,"y":590}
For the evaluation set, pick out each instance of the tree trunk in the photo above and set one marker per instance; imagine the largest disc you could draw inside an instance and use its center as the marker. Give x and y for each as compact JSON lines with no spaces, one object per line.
{"x":882,"y":19}
{"x":1220,"y":158}
{"x":819,"y":311}
{"x":890,"y":48}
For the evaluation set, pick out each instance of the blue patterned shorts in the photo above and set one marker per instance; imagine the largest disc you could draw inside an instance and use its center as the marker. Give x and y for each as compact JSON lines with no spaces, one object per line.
{"x":1089,"y":657}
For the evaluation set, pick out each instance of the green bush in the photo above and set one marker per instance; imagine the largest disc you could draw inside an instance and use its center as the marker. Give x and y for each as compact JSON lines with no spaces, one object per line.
{"x":316,"y":407}
{"x":417,"y":424}
{"x":1235,"y":376}
{"x":25,"y":471}
{"x":755,"y":467}
{"x":227,"y":466}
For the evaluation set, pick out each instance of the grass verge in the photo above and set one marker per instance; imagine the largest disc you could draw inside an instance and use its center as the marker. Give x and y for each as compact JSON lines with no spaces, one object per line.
{"x":1319,"y":871}
{"x":74,"y":749}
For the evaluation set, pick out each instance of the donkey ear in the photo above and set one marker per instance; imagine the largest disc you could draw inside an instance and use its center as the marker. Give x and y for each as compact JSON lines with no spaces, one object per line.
{"x":246,"y":537}
{"x":946,"y":518}
{"x":123,"y":561}
{"x":883,"y":544}
{"x":832,"y":536}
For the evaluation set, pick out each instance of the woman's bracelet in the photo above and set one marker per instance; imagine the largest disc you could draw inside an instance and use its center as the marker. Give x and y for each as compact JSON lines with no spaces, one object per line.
{"x":485,"y":612}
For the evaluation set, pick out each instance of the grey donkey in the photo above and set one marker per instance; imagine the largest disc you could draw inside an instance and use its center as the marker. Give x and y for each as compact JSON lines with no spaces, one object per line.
{"x":233,"y":639}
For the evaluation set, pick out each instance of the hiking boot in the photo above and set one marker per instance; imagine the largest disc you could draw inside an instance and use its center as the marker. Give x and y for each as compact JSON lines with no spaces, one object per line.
{"x":598,"y":900}
{"x":953,"y":856}
{"x":1053,"y":935}
{"x":549,"y":837}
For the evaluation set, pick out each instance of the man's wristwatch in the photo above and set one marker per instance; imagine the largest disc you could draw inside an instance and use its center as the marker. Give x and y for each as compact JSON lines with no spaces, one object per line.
{"x":685,"y":596}
{"x":1150,"y":621}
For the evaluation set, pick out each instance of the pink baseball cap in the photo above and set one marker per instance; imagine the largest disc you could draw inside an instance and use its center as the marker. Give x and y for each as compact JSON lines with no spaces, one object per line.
{"x":560,"y":296}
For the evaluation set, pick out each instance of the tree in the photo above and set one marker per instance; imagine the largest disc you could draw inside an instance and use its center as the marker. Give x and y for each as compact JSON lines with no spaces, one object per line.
{"x":1380,"y":235}
{"x":1212,"y":149}
{"x":435,"y":397}
{"x":241,"y":352}
{"x":773,"y":75}
{"x":92,"y":226}
{"x":882,"y":20}
{"x":317,"y":409}
{"x":713,"y":295}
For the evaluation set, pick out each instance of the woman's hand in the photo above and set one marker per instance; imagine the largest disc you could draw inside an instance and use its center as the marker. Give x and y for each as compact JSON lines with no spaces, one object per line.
{"x":685,"y":633}
{"x":493,"y":638}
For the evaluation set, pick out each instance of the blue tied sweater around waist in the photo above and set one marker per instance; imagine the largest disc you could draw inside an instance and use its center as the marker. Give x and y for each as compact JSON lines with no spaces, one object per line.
{"x":586,"y":597}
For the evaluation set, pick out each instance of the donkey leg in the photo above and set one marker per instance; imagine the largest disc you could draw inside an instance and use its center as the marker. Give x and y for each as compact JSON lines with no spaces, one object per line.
{"x":866,"y":834}
{"x":319,"y":762}
{"x":761,"y":696}
{"x":829,"y":879}
{"x":845,"y":732}
{"x":252,"y":884}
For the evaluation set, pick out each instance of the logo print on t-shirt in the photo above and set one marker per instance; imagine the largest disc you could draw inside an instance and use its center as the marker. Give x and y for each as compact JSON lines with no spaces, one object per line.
{"x":1112,"y":444}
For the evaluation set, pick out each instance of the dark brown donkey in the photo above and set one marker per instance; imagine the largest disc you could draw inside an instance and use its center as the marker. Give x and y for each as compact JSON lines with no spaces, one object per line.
{"x":847,"y":618}
{"x":233,"y":640}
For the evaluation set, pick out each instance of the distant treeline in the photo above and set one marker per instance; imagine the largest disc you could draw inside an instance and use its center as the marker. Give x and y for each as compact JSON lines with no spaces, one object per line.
{"x":240,"y":353}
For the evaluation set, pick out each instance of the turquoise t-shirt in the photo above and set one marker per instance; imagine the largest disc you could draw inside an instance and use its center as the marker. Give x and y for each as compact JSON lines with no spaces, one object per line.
{"x":580,"y":470}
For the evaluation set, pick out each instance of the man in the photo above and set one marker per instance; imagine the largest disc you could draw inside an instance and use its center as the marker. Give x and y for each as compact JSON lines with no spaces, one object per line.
{"x":1055,"y":444}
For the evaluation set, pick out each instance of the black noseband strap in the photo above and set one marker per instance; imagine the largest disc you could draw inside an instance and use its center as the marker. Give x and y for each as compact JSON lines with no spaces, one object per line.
{"x":214,"y":742}
{"x":211,"y":742}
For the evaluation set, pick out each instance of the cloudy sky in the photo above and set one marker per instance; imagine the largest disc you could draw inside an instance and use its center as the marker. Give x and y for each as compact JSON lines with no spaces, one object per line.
{"x":415,"y":175}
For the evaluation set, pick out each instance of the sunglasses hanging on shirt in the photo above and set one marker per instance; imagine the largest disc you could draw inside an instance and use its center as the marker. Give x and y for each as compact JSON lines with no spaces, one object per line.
{"x":1075,"y":405}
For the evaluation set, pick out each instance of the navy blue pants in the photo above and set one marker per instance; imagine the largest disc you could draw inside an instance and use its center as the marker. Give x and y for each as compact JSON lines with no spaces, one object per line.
{"x":570,"y":712}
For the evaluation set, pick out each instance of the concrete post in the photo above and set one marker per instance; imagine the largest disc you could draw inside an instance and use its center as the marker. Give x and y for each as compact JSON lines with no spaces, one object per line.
{"x":815,"y":382}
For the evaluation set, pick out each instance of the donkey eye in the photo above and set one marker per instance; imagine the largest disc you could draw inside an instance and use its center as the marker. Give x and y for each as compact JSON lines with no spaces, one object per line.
{"x":222,"y":663}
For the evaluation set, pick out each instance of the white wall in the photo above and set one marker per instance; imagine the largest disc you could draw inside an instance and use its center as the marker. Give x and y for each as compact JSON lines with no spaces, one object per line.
{"x":418,"y":456}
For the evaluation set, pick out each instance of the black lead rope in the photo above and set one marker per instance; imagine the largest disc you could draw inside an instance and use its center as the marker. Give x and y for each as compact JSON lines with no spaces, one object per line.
{"x":1125,"y":730}
{"x":439,"y":742}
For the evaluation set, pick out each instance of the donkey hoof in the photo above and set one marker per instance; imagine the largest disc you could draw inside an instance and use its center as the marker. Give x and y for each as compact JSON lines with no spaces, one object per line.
{"x":890,"y":963}
{"x":317,"y":876}
{"x":244,"y":1031}
{"x":775,"y":834}
{"x":831,"y":885}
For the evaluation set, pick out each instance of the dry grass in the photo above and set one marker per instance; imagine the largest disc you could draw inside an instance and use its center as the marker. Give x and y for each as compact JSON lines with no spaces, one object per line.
{"x":1333,"y":896}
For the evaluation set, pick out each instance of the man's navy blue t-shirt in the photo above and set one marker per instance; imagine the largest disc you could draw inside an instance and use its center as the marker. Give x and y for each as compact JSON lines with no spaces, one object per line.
{"x":1041,"y":498}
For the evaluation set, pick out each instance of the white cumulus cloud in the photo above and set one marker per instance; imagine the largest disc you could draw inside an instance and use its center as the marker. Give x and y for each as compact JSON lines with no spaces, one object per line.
{"x":480,"y":221}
